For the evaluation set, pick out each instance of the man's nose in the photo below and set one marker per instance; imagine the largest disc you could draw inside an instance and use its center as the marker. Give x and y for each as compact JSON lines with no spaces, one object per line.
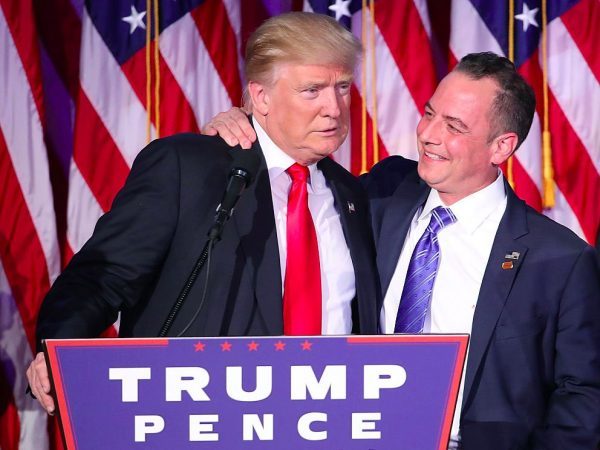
{"x":429,"y":131}
{"x":332,"y":101}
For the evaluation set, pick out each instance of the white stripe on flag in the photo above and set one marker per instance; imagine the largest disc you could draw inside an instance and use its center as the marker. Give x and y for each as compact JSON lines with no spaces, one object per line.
{"x":423,"y":10}
{"x":469,"y":33}
{"x":562,"y":213}
{"x":530,"y":153}
{"x":15,"y":356}
{"x":83,"y":210}
{"x":184,"y":52}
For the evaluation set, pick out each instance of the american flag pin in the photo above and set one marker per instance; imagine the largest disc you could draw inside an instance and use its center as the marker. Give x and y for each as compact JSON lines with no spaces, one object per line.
{"x":351,"y":208}
{"x":513,"y":255}
{"x":507,"y":265}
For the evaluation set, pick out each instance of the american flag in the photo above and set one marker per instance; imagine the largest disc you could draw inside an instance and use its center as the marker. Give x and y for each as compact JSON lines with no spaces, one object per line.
{"x":84,"y":86}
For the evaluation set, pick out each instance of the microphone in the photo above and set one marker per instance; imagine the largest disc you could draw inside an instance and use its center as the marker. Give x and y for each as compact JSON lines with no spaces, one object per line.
{"x":243,"y":170}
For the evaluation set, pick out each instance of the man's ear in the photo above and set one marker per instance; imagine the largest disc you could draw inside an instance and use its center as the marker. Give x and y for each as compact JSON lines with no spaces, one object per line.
{"x":259,"y":97}
{"x":504,"y":146}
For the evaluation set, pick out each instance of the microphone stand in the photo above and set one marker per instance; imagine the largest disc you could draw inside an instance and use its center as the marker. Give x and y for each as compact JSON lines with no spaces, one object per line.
{"x":240,"y":177}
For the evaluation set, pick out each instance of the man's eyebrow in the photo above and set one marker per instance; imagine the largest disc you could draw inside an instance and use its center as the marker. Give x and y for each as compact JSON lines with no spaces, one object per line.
{"x":456,"y":121}
{"x":452,"y":119}
{"x":345,"y":79}
{"x":311,"y":84}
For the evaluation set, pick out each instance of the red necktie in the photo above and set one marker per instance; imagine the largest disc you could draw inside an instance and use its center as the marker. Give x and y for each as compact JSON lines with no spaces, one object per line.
{"x":302,"y":286}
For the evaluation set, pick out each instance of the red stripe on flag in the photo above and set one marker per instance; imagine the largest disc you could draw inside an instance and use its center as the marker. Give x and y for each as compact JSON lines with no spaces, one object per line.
{"x":21,"y":24}
{"x":524,"y":187}
{"x":452,"y":61}
{"x":176,"y":114}
{"x":97,"y":156}
{"x":356,"y":136}
{"x":67,"y":255}
{"x":582,"y":22}
{"x":213,"y":25}
{"x":20,"y":248}
{"x":60,"y":32}
{"x":574,"y":172}
{"x":532,"y":72}
{"x":398,"y":19}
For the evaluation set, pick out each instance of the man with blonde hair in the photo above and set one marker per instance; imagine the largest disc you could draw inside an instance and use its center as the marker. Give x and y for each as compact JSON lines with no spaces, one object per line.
{"x":297,"y":256}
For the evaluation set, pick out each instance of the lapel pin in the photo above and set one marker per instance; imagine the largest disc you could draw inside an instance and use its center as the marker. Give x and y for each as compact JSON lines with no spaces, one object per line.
{"x":351,"y":207}
{"x":513,"y":255}
{"x":507,"y":265}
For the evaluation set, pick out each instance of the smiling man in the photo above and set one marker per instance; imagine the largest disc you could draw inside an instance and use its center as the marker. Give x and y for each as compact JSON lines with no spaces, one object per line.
{"x":458,"y":252}
{"x":296,"y":258}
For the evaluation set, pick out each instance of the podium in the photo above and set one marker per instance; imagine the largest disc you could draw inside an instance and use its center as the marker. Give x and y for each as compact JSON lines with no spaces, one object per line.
{"x":350,"y":392}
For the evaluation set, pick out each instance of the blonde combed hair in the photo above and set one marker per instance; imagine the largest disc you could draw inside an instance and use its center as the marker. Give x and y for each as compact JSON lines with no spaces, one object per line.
{"x":302,"y":38}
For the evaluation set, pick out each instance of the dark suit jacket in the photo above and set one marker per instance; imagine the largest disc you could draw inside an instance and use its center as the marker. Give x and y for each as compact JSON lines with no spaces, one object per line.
{"x":143,"y":250}
{"x":533,"y":370}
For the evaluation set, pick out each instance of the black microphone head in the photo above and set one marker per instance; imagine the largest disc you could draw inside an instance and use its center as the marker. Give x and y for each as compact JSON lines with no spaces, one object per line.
{"x":245,"y":163}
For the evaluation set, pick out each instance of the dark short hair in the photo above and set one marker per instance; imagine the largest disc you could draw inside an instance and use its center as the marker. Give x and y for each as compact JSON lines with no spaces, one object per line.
{"x":514,"y":105}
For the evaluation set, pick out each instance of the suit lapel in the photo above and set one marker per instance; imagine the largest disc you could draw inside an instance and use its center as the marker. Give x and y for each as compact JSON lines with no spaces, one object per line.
{"x":345,"y":204}
{"x":397,"y":217}
{"x":255,"y":222}
{"x":348,"y":203}
{"x":496,"y":285}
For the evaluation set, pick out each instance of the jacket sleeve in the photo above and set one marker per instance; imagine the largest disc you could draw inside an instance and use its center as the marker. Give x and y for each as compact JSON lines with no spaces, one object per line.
{"x":118,"y":264}
{"x":573,"y":408}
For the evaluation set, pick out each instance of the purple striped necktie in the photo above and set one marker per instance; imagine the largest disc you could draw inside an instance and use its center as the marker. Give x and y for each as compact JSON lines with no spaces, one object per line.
{"x":420,"y":276}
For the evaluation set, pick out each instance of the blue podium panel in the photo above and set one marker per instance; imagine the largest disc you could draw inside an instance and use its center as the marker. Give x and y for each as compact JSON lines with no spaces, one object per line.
{"x":352,"y":392}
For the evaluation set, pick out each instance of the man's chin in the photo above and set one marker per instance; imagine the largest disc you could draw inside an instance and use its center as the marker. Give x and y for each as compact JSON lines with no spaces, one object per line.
{"x":428,"y":175}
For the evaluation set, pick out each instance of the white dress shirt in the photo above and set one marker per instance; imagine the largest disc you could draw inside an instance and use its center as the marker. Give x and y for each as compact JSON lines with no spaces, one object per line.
{"x":465,"y":248}
{"x":337,"y":271}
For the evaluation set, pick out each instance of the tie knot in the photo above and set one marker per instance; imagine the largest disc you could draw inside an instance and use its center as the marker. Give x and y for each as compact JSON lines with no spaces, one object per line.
{"x":440,"y":217}
{"x":298,"y":172}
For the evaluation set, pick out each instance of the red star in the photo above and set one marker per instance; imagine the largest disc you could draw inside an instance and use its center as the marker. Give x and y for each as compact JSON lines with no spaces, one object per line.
{"x":253,"y":346}
{"x":225,"y":347}
{"x":306,"y":345}
{"x":199,"y":347}
{"x":279,"y":346}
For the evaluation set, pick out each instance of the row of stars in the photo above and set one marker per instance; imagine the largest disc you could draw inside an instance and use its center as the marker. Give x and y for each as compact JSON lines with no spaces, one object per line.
{"x":252,"y":346}
{"x":341,"y":9}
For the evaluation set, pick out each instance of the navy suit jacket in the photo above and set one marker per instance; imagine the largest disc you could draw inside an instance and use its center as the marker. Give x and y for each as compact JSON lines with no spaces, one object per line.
{"x":144,"y":248}
{"x":533,"y":369}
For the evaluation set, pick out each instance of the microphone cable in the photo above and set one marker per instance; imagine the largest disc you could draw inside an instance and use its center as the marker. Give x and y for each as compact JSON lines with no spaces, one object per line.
{"x":210,"y":244}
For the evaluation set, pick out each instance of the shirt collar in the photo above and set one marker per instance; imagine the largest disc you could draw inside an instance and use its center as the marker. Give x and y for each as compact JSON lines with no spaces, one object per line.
{"x":277,"y":160}
{"x":472,"y":210}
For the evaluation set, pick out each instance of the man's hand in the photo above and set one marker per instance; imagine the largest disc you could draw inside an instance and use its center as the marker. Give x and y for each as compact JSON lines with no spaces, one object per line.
{"x":37,"y":374}
{"x":233,"y":126}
